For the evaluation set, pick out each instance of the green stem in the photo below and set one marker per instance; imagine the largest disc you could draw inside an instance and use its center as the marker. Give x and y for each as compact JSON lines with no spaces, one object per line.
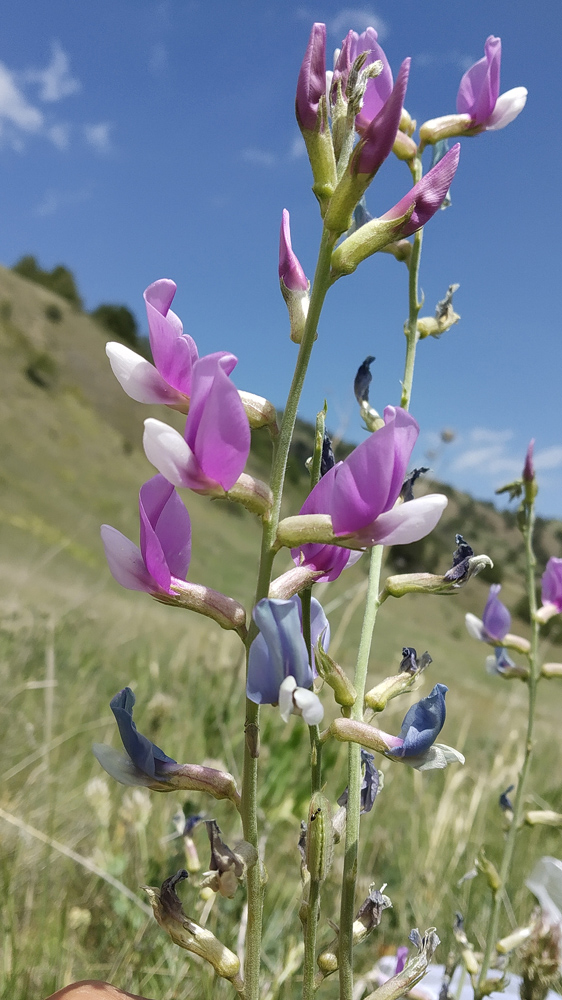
{"x":354,"y":779}
{"x":313,"y":911}
{"x":534,"y":673}
{"x":248,"y":807}
{"x":414,"y":304}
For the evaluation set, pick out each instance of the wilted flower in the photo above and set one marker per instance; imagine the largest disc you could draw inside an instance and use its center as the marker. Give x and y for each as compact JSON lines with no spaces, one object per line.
{"x":479,"y":92}
{"x":360,"y":495}
{"x":165,"y":542}
{"x":279,"y":671}
{"x":144,"y":763}
{"x":551,"y":590}
{"x":415,"y":744}
{"x":212,"y":454}
{"x":363,"y":380}
{"x":369,"y":784}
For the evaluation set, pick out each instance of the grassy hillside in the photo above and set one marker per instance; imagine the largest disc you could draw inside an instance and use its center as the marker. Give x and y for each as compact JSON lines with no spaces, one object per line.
{"x":70,"y":638}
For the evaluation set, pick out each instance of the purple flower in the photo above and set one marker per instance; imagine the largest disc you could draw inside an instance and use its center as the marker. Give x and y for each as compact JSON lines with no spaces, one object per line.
{"x":213,"y":452}
{"x":495,"y":622}
{"x":479,"y":92}
{"x":144,"y":763}
{"x":427,"y":196}
{"x":551,"y":590}
{"x":379,"y":133}
{"x":360,"y":496}
{"x":278,"y":662}
{"x":311,"y":85}
{"x":290,"y":270}
{"x":378,"y":88}
{"x":174,"y":354}
{"x":165,"y":542}
{"x":529,"y":468}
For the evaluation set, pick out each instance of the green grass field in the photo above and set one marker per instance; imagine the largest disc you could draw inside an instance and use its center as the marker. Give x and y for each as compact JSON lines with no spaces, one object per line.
{"x":70,"y":638}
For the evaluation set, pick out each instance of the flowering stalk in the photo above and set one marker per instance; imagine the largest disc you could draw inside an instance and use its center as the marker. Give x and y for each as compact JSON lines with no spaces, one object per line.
{"x":414,"y":301}
{"x":251,"y":747}
{"x":527,"y":513}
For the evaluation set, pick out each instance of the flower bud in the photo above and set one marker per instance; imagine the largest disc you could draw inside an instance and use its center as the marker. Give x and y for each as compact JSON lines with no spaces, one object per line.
{"x":319,"y":838}
{"x":293,"y":281}
{"x":331,"y":672}
{"x":364,"y":242}
{"x":489,"y":870}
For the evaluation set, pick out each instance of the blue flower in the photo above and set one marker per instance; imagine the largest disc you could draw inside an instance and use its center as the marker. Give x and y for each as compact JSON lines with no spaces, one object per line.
{"x":144,"y":763}
{"x":278,"y":656}
{"x":421,"y":726}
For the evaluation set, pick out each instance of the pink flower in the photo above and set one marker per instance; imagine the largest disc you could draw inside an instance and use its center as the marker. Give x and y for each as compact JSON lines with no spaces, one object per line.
{"x":212,"y":454}
{"x":311,"y":84}
{"x":165,"y":542}
{"x":360,"y":495}
{"x":479,"y":92}
{"x":174,"y":353}
{"x":551,"y":590}
{"x":379,"y":88}
{"x":427,"y":196}
{"x":290,"y":270}
{"x":379,"y":134}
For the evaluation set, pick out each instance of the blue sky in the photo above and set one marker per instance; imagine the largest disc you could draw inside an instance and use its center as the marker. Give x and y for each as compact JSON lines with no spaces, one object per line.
{"x":156,"y":138}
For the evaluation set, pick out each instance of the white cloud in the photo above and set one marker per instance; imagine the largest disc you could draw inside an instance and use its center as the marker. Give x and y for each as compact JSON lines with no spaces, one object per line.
{"x":487,"y":436}
{"x":15,"y":110}
{"x":548,"y":458}
{"x":60,"y":135}
{"x":488,"y":461}
{"x":357,"y":19}
{"x":258,"y":157}
{"x":158,"y":59}
{"x":98,"y":136}
{"x":428,"y":60}
{"x":55,"y":80}
{"x":54,"y":201}
{"x":297,"y":149}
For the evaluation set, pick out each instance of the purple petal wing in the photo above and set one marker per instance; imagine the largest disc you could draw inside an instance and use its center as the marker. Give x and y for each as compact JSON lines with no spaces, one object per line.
{"x":427,"y":195}
{"x":143,"y":753}
{"x":378,"y":90}
{"x":331,"y":559}
{"x":217,"y":428}
{"x":165,"y":531}
{"x":264,"y":680}
{"x":125,"y":561}
{"x":173,"y":351}
{"x":552,"y":583}
{"x":480,"y":86}
{"x":496,"y":617}
{"x":280,"y":626}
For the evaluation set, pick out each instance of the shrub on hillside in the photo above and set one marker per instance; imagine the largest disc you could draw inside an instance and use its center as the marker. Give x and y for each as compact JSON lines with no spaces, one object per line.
{"x":119,"y":320}
{"x":60,"y":280}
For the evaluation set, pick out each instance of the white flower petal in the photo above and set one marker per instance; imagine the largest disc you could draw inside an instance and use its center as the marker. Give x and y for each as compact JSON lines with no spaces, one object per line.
{"x":408,"y":522}
{"x":436,"y":758}
{"x":125,"y":561}
{"x":169,"y":452}
{"x":475,"y":627}
{"x":286,"y":697}
{"x":508,"y":106}
{"x":140,"y":379}
{"x":119,"y":766}
{"x":310,"y":706}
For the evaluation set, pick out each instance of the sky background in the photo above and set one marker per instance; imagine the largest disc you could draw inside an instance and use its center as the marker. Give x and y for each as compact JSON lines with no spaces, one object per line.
{"x":142,"y":139}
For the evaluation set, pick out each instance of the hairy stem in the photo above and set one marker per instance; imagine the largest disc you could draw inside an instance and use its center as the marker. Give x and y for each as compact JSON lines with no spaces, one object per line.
{"x":534,"y":673}
{"x":414,"y":304}
{"x":248,"y":808}
{"x":354,"y":778}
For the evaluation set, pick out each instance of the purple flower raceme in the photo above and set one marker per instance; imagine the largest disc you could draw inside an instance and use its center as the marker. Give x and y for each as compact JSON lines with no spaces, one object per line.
{"x":415,"y":744}
{"x":551,"y":590}
{"x":279,"y":671}
{"x":212,"y":454}
{"x":479,"y":92}
{"x":165,"y":542}
{"x":360,"y":496}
